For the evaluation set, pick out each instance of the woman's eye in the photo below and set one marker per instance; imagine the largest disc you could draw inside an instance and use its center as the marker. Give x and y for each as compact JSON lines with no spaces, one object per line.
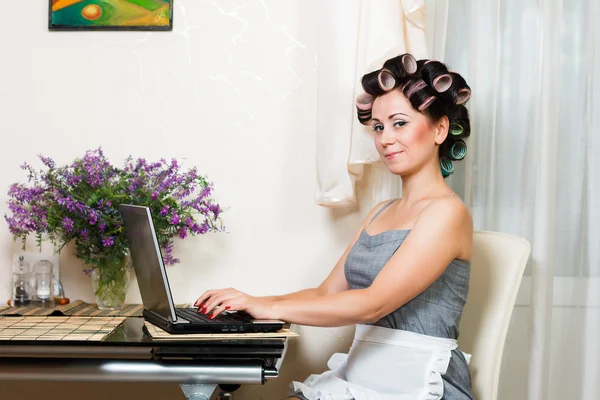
{"x":378,"y":128}
{"x":399,"y":124}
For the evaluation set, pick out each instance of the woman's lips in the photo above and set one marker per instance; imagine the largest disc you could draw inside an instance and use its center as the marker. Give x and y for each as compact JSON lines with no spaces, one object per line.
{"x":395,"y":154}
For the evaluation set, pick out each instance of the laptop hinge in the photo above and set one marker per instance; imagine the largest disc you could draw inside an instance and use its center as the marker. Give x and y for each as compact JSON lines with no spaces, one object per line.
{"x":156,"y":315}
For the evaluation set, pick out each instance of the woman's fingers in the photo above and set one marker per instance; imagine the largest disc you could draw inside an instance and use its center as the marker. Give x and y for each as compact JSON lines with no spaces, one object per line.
{"x":214,"y":302}
{"x":204,"y":297}
{"x":217,"y":300}
{"x":218,"y":310}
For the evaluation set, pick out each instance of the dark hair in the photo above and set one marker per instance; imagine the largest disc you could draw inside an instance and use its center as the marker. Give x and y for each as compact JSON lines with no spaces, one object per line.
{"x":432,"y":90}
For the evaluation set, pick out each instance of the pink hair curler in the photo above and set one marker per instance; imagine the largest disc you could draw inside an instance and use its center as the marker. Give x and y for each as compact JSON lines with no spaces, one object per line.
{"x":415,"y":87}
{"x":409,"y":63}
{"x":463,"y":95}
{"x":426,"y":103}
{"x":386,"y":80}
{"x":364,"y":102}
{"x":442,"y":82}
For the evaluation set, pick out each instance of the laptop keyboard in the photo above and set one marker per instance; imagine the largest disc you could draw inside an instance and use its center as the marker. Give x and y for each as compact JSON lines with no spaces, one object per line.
{"x":192,"y":315}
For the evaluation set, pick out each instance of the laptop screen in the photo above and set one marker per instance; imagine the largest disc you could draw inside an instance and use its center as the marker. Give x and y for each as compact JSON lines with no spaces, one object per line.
{"x":147,"y":261}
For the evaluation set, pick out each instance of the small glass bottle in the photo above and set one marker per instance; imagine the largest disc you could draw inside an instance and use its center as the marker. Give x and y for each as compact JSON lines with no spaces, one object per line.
{"x":43,"y":283}
{"x":22,"y":291}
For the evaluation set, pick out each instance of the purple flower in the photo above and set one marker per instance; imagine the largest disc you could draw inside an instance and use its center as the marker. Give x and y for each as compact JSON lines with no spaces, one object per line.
{"x":67,"y":223}
{"x":93,"y":218}
{"x":48,"y":162}
{"x":165,"y":210}
{"x":168,"y":253}
{"x":215,"y":209}
{"x":183,"y":233}
{"x":200,"y":229}
{"x":70,"y":204}
{"x":60,"y":199}
{"x":73,"y":180}
{"x":108,"y":241}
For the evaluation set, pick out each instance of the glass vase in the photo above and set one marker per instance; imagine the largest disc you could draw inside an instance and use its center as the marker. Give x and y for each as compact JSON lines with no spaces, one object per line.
{"x":110,"y":281}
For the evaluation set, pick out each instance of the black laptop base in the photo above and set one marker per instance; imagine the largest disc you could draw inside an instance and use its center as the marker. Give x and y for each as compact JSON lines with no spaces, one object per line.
{"x":215,"y":326}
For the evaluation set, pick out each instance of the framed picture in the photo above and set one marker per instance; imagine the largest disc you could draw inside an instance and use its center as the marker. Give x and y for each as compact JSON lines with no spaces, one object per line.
{"x":113,"y":15}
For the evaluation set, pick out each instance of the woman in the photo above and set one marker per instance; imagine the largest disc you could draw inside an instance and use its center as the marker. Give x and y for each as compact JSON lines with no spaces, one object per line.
{"x":404,"y":278}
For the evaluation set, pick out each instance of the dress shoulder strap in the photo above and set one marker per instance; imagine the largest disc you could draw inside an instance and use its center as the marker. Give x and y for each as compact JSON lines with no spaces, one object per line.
{"x":381,"y":209}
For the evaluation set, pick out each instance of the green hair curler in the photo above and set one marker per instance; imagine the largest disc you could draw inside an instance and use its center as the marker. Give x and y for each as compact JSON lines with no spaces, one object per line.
{"x":447,"y":167}
{"x":455,"y":129}
{"x":458,"y":151}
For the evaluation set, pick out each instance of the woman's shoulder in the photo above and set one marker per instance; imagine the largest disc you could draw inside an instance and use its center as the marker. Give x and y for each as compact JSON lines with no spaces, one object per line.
{"x":449,"y":211}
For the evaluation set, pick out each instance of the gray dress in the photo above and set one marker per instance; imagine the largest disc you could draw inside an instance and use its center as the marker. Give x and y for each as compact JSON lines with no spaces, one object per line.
{"x":434,"y":312}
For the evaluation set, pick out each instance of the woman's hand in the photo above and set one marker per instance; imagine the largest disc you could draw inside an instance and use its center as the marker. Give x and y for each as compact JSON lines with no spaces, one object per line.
{"x":217,"y":301}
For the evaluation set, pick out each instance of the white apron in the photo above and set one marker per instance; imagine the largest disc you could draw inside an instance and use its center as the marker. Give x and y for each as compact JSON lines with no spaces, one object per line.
{"x":383,"y":364}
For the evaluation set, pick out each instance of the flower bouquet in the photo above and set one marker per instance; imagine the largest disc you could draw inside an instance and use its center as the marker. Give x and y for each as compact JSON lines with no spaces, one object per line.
{"x":79,"y":203}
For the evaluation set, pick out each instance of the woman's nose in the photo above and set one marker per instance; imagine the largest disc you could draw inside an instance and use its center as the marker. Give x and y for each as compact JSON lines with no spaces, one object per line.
{"x":387,"y":137}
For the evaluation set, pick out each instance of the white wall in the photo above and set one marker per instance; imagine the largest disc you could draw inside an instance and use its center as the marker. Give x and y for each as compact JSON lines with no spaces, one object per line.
{"x":233,"y":91}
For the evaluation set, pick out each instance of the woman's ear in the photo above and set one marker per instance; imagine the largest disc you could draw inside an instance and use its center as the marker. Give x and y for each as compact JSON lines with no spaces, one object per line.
{"x":441,"y":129}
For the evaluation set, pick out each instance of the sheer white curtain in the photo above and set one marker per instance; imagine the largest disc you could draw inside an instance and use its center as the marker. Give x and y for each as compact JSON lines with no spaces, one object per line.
{"x":533,"y":163}
{"x":357,"y":36}
{"x":533,"y":170}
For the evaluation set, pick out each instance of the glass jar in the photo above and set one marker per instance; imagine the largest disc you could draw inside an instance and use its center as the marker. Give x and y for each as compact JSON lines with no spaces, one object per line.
{"x":22,"y":290}
{"x":44,"y":283}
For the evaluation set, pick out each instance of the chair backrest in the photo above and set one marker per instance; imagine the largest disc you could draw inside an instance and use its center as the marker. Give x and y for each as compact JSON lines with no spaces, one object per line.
{"x":497,"y":267}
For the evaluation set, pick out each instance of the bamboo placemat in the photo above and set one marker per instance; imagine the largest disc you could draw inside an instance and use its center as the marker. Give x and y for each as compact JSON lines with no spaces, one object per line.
{"x":160,"y":334}
{"x":77,"y":308}
{"x":57,"y":328}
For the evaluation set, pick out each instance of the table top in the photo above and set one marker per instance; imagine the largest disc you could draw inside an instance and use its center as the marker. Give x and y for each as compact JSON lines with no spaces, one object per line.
{"x":130,"y":339}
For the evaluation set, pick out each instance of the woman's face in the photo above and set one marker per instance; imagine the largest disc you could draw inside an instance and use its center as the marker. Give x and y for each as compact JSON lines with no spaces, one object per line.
{"x":405,"y":138}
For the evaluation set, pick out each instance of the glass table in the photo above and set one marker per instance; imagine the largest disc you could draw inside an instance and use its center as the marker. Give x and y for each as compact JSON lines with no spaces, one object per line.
{"x":129,"y":354}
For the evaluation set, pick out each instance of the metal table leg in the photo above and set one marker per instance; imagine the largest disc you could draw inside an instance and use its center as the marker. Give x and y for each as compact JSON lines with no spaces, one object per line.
{"x":199,"y":391}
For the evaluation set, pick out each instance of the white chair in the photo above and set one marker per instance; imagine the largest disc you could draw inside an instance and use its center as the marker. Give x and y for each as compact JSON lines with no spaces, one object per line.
{"x":497,"y":267}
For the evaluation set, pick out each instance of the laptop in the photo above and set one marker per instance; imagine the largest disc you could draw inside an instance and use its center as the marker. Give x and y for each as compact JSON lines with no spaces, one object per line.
{"x":151,"y":274}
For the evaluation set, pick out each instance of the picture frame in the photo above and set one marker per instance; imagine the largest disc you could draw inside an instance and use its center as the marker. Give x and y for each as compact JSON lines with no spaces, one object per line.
{"x":110,"y":15}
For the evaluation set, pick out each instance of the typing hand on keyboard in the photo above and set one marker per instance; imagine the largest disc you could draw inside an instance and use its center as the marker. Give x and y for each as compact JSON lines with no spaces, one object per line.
{"x":214,"y":302}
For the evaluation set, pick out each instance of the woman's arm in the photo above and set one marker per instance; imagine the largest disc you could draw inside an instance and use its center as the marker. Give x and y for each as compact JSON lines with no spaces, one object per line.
{"x":334,"y":283}
{"x":442,"y":232}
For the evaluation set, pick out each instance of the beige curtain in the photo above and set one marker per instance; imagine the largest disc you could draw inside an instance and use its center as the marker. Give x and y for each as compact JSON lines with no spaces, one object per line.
{"x":369,"y":32}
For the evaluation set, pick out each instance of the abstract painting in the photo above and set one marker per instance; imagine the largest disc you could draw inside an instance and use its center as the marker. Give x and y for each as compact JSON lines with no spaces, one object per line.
{"x":150,"y":15}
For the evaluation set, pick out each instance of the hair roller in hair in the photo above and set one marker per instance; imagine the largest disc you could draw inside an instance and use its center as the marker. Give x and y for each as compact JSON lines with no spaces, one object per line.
{"x":446,"y":166}
{"x":426,"y":103}
{"x":386,"y":80}
{"x":364,"y":102}
{"x":414,"y":87}
{"x":458,"y":151}
{"x":409,"y":63}
{"x":463,"y":95}
{"x":455,"y":129}
{"x":442,"y":82}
